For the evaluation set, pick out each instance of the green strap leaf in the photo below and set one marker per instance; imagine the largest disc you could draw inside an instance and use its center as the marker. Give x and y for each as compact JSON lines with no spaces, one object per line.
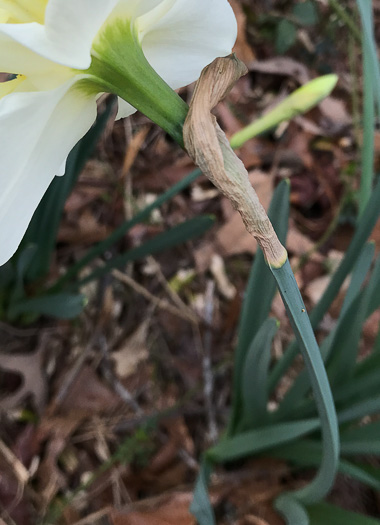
{"x":173,"y":237}
{"x":359,"y":274}
{"x":331,"y":515}
{"x":306,"y":453}
{"x":255,"y":377}
{"x":259,"y":294}
{"x":292,"y":510}
{"x":44,"y":225}
{"x":201,"y":506}
{"x":291,"y":296}
{"x":255,"y":441}
{"x":364,"y":228}
{"x":60,"y":306}
{"x":100,"y":248}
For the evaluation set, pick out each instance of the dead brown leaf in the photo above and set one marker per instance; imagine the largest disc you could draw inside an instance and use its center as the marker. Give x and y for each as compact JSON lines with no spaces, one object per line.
{"x":282,"y":66}
{"x":56,"y":432}
{"x":88,"y":396}
{"x":132,"y":352}
{"x":173,"y":511}
{"x":30,"y":367}
{"x":86,"y":229}
{"x":335,"y":111}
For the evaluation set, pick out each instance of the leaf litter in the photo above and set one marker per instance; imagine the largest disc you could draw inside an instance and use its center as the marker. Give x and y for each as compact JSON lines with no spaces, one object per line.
{"x":109,"y":426}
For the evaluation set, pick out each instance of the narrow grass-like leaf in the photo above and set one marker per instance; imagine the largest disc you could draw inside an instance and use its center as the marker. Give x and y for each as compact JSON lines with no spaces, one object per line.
{"x":368,"y":142}
{"x":359,"y":410}
{"x":368,"y":431}
{"x":366,"y":474}
{"x":341,"y":364}
{"x":370,"y":363}
{"x":359,"y":274}
{"x":361,"y":473}
{"x":343,"y":361}
{"x":44,"y":225}
{"x":201,"y":506}
{"x":295,"y":307}
{"x":7,"y":275}
{"x":118,"y":234}
{"x":359,"y":388}
{"x":304,"y":453}
{"x":340,"y":336}
{"x":259,"y":294}
{"x":343,"y":336}
{"x":361,"y":440}
{"x":60,"y":306}
{"x":292,"y":510}
{"x":23,"y":262}
{"x":173,"y":237}
{"x":255,"y":376}
{"x":327,"y":514}
{"x":364,"y":228}
{"x":365,"y":10}
{"x":255,"y":441}
{"x":374,"y":289}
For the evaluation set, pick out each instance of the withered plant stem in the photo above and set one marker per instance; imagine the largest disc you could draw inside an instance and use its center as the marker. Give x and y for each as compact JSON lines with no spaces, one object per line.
{"x":208,"y":146}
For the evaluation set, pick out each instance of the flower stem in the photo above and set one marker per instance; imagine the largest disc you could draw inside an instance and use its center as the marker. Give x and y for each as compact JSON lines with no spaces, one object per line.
{"x":119,"y":66}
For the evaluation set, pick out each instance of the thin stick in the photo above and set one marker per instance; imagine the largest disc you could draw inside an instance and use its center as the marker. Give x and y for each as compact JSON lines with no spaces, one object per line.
{"x":163,"y":304}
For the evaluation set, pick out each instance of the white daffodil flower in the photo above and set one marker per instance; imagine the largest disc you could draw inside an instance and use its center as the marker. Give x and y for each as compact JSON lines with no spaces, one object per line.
{"x":65,"y":53}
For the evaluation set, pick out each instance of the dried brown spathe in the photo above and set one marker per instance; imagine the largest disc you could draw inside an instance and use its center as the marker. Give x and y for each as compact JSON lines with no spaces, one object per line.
{"x":208,"y":146}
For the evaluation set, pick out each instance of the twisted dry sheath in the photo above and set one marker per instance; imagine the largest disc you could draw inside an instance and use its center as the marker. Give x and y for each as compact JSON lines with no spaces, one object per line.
{"x":208,"y":146}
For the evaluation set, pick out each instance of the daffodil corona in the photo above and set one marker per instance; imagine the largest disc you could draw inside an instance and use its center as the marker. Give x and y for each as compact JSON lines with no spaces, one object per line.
{"x":64,"y":53}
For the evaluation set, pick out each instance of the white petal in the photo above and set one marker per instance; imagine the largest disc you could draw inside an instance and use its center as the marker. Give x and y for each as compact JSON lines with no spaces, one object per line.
{"x":133,"y":8}
{"x":73,"y":24}
{"x":124,"y":109}
{"x":16,"y":58}
{"x":180,"y":37}
{"x":69,"y":30}
{"x":41,"y":129}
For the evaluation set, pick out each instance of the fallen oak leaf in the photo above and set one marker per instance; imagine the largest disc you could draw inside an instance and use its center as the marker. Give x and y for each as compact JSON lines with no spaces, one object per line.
{"x":30,"y":367}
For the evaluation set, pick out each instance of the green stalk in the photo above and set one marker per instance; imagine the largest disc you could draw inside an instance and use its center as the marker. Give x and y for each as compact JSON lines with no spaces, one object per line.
{"x":346,"y":18}
{"x":119,"y":66}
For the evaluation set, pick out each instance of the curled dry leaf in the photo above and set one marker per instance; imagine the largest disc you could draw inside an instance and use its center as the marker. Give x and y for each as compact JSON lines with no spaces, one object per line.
{"x":208,"y":146}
